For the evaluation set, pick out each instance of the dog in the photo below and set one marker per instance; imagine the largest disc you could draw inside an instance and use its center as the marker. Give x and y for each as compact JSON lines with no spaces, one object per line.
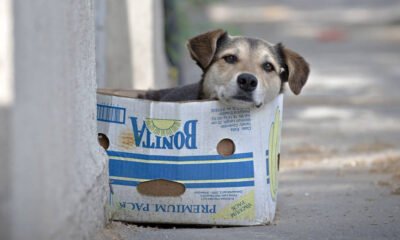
{"x":238,"y":71}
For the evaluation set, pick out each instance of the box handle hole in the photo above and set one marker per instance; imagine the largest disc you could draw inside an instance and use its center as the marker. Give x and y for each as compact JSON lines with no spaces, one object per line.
{"x":103,"y":140}
{"x":226,"y":147}
{"x":161,"y":188}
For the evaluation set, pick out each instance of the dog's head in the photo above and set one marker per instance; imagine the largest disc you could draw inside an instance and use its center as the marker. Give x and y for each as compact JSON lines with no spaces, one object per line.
{"x":246,"y":72}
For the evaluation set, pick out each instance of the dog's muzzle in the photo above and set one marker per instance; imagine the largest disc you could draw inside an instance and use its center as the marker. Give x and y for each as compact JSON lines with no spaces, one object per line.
{"x":247,"y":82}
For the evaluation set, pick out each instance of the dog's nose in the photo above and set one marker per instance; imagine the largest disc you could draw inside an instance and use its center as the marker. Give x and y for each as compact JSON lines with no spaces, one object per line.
{"x":247,"y":82}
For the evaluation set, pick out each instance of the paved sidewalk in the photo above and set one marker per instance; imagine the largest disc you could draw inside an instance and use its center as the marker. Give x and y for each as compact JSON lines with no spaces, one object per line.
{"x":347,"y":198}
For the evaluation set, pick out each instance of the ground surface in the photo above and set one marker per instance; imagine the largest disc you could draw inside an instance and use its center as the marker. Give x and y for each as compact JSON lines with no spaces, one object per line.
{"x":340,"y":173}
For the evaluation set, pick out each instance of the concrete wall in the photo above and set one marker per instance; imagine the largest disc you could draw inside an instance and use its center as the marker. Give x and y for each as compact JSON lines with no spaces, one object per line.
{"x":53,"y":173}
{"x":6,"y":98}
{"x":134,"y":45}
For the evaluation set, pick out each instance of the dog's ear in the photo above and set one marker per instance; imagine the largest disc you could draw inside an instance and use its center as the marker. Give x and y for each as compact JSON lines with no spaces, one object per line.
{"x":202,"y":48}
{"x":295,"y":68}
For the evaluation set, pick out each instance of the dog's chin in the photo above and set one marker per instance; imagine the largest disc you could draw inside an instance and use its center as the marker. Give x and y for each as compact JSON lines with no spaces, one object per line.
{"x":240,"y":102}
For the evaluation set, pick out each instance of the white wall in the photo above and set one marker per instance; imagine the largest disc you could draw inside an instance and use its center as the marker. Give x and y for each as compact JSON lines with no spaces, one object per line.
{"x":6,"y":99}
{"x":53,"y":173}
{"x":134,"y":45}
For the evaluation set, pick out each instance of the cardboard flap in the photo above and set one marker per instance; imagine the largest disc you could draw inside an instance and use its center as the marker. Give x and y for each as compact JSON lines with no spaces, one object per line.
{"x":120,"y":92}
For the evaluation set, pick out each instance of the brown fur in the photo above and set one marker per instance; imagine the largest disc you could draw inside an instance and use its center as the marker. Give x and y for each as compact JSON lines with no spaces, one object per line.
{"x":298,"y":70}
{"x":203,"y":47}
{"x":220,"y":77}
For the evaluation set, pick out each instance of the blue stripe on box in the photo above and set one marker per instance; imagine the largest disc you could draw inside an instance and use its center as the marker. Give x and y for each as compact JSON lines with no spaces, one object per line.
{"x":212,"y":171}
{"x":267,"y":164}
{"x":193,"y":185}
{"x":177,"y":158}
{"x":267,"y":161}
{"x":111,"y":114}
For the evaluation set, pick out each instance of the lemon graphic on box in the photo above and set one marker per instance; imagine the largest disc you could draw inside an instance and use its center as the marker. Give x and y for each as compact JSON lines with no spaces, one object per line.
{"x":163,"y":127}
{"x":274,"y":138}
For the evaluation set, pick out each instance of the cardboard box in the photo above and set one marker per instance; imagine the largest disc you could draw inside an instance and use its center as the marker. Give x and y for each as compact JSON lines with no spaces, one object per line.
{"x":195,"y":162}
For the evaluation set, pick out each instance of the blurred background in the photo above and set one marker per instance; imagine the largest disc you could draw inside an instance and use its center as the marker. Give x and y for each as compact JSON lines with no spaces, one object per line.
{"x":340,"y":151}
{"x":340,"y":146}
{"x":350,"y":103}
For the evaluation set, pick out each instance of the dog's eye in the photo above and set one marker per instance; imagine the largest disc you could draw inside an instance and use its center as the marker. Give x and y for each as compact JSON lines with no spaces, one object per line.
{"x":268,"y":67}
{"x":231,"y":59}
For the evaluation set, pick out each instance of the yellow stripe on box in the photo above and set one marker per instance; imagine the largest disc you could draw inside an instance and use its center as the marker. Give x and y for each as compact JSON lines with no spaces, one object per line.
{"x":186,"y":181}
{"x":182,"y":162}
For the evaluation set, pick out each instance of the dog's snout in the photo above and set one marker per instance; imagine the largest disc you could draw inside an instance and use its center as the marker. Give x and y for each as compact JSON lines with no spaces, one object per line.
{"x":247,"y":82}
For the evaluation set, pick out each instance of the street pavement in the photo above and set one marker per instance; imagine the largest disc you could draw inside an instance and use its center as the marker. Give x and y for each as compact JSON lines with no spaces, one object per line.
{"x":340,"y":151}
